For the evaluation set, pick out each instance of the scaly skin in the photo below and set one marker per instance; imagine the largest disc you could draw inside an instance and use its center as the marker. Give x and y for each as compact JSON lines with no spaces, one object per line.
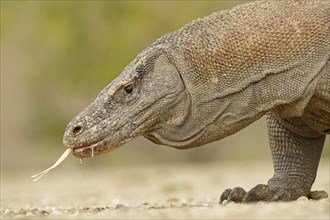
{"x":215,"y":76}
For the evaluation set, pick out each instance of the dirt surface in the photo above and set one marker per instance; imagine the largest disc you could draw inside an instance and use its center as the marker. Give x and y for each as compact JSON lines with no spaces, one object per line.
{"x":179,"y":191}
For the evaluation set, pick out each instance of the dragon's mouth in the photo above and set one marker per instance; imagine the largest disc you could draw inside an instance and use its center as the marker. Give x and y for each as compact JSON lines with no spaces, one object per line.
{"x":90,"y":150}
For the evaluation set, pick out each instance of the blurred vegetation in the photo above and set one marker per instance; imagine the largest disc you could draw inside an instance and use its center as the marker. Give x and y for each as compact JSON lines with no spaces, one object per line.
{"x":57,"y":55}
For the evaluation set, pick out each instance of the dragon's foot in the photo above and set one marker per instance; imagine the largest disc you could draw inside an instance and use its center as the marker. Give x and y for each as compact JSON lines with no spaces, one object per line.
{"x":263,"y":192}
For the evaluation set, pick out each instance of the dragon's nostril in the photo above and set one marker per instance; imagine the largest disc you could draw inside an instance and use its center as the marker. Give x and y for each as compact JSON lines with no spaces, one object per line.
{"x":77,"y":129}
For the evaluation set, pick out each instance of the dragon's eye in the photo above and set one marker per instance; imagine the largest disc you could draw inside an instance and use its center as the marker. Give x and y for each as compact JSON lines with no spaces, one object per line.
{"x":128,"y":88}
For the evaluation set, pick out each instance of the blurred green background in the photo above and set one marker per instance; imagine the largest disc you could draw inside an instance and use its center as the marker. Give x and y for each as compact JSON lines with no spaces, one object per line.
{"x":57,"y":55}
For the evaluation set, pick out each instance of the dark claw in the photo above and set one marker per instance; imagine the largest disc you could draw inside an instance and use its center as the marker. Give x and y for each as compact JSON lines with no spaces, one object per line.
{"x":316,"y":195}
{"x":260,"y":192}
{"x":232,"y":195}
{"x":224,"y":195}
{"x":236,"y":195}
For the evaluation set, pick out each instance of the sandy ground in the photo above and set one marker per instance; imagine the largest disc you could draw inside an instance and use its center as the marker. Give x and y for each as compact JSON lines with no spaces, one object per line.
{"x":179,"y":191}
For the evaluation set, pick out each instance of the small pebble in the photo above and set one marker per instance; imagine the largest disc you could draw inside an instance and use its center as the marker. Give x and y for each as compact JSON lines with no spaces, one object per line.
{"x":22,"y":212}
{"x":115,"y":201}
{"x":7,"y":211}
{"x":172,"y":200}
{"x":302,"y":199}
{"x":118,"y":206}
{"x":224,"y":202}
{"x":97,"y":209}
{"x":29,"y":214}
{"x":43,"y":212}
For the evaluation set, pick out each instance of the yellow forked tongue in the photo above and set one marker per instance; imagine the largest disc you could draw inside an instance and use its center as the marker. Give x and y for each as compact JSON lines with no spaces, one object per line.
{"x":60,"y":160}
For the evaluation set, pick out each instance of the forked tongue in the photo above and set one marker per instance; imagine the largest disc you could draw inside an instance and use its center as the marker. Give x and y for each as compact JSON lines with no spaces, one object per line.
{"x":60,"y":160}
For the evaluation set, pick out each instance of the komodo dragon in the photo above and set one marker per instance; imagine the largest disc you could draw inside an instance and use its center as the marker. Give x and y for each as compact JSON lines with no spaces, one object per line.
{"x":215,"y":76}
